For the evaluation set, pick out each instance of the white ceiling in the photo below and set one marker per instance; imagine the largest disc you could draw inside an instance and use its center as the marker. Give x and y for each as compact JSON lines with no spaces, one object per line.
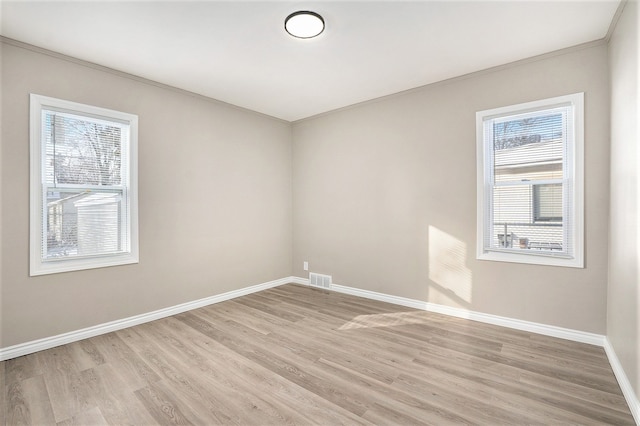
{"x":238,"y":52}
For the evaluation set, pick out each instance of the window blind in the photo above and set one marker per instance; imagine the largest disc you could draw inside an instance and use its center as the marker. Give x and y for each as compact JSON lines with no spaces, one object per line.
{"x":84,"y":179}
{"x":528,"y":182}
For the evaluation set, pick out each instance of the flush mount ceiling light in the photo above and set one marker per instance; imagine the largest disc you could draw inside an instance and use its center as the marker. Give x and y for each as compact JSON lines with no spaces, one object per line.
{"x":304,"y":24}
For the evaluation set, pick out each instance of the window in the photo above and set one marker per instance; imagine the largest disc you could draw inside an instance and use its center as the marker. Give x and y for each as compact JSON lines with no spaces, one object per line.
{"x":83,"y":187}
{"x":547,"y":202}
{"x":530,"y":182}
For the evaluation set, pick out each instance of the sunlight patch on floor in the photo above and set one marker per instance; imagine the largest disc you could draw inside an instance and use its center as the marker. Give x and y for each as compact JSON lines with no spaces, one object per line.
{"x":391,"y":319}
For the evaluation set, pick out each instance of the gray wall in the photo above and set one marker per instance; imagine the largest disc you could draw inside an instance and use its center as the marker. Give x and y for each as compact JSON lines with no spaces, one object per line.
{"x":623,"y":319}
{"x":214,"y":203}
{"x":385,"y":195}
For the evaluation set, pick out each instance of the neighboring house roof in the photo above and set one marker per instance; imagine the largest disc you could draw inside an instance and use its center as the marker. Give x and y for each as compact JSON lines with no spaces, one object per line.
{"x":533,"y":154}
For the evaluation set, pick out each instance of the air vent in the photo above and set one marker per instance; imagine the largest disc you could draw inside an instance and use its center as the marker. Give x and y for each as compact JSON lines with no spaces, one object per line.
{"x":319,"y":280}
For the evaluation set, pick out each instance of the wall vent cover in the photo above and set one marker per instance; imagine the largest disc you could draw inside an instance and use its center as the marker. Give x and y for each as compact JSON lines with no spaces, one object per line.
{"x":319,"y":280}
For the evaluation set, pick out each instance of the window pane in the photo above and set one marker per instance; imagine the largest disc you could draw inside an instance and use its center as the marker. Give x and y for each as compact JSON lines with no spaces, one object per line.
{"x":82,"y":223}
{"x":547,"y":203}
{"x":512,"y":203}
{"x":531,"y":237}
{"x":529,"y":148}
{"x":81,"y":151}
{"x":513,"y":214}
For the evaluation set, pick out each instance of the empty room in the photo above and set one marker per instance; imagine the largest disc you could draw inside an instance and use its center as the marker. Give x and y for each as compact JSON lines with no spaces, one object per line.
{"x":325,"y":212}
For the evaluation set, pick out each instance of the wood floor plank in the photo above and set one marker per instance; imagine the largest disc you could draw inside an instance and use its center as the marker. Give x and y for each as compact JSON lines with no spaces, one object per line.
{"x":64,"y":385}
{"x":17,"y":412}
{"x":257,"y":320}
{"x":123,"y":358}
{"x":381,"y":415}
{"x":29,"y":402}
{"x":58,"y":358}
{"x":246,"y":312}
{"x":85,"y":354}
{"x":161,"y":405}
{"x":254,"y":302}
{"x":21,"y":368}
{"x":112,"y":393}
{"x":67,"y":393}
{"x":92,"y":416}
{"x":303,"y":356}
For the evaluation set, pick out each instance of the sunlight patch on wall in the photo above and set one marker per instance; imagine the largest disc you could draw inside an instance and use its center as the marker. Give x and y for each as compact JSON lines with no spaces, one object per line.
{"x":447,"y":266}
{"x":392,"y":319}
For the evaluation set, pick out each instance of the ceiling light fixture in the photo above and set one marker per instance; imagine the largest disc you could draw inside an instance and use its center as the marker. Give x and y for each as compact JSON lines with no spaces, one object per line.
{"x":304,"y":24}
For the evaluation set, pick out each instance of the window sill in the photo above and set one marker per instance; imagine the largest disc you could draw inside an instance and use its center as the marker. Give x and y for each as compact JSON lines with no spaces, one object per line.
{"x":53,"y":267}
{"x":531,"y":258}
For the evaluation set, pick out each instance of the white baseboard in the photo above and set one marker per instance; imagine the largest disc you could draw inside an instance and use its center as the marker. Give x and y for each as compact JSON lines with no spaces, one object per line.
{"x":298,"y":280}
{"x":623,"y":381}
{"x":532,"y":327}
{"x":73,"y":336}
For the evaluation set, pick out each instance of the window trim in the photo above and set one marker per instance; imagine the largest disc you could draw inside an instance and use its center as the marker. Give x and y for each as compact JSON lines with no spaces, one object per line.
{"x":36,"y":205}
{"x":574,"y":173}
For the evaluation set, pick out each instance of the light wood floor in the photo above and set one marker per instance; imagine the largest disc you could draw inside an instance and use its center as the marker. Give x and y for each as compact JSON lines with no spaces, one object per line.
{"x":297,"y":355}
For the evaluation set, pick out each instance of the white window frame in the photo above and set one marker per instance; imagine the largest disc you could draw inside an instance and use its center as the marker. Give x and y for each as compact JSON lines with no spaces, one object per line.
{"x":574,"y":174}
{"x":38,"y":265}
